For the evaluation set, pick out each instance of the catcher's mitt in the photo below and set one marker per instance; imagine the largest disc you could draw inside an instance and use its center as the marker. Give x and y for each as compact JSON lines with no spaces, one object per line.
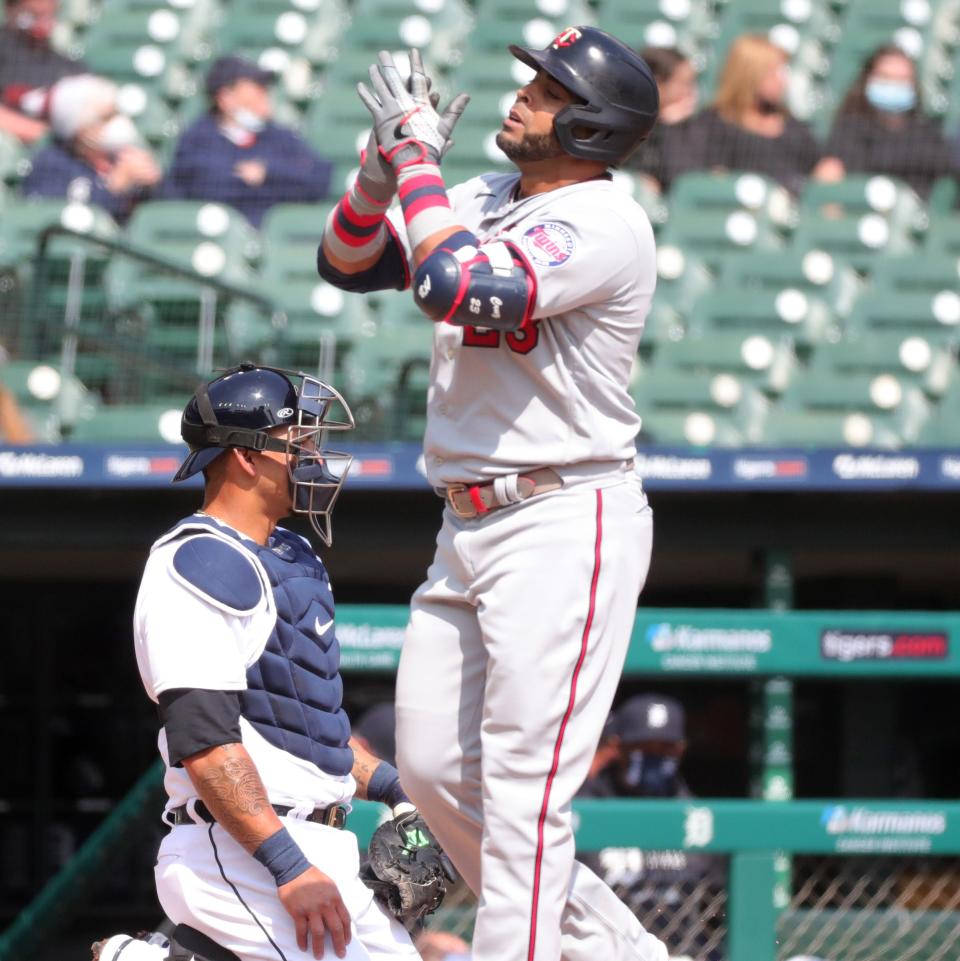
{"x":408,"y":870}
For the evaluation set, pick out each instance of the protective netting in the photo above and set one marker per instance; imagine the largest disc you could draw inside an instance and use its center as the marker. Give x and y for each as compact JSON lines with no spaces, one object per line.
{"x":873,"y":909}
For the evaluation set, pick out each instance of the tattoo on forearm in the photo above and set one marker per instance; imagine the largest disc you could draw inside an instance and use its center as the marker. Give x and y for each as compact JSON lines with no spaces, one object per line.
{"x":233,"y":791}
{"x":362,"y":772}
{"x":364,"y":764}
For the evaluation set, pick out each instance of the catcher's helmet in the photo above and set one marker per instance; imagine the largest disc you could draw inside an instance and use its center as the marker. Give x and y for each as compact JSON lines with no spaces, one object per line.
{"x":618,"y":89}
{"x":240,"y":408}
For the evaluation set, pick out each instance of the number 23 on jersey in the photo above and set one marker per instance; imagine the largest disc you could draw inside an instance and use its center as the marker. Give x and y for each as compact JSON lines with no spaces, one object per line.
{"x":519,"y":341}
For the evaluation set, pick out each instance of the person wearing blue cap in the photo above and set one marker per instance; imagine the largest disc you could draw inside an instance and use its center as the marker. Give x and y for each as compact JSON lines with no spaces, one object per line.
{"x":236,"y":154}
{"x":673,"y":893}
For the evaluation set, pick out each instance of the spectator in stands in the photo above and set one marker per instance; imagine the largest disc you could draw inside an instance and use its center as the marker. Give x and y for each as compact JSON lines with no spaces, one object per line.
{"x":881,"y":128}
{"x":29,"y":67}
{"x":237,"y":155}
{"x":14,"y":428}
{"x":96,"y":156}
{"x":665,"y":153}
{"x":669,"y":891}
{"x":748,"y":125}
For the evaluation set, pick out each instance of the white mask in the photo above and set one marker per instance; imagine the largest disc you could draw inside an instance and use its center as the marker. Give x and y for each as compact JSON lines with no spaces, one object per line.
{"x":117,"y":133}
{"x":248,"y":120}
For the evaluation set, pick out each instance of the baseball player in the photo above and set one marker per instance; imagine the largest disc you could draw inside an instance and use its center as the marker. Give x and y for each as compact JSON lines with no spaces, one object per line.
{"x":539,"y":282}
{"x":235,"y":642}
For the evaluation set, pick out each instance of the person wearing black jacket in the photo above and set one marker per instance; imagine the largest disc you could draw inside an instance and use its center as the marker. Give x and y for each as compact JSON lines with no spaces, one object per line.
{"x":235,"y":154}
{"x":881,"y":127}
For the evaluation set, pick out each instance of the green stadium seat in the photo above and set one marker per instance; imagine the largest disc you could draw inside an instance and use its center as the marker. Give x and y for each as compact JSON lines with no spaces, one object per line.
{"x":178,"y":319}
{"x":860,"y":194}
{"x":943,"y":236}
{"x":814,"y":272}
{"x":935,"y":315}
{"x":276,"y":31}
{"x":713,"y":235}
{"x":884,"y":413}
{"x":338,"y":124}
{"x":290,"y":235}
{"x":763,"y":362}
{"x":140,"y":64}
{"x":659,"y":24}
{"x":52,"y":402}
{"x":929,"y":274}
{"x":910,"y":359}
{"x":508,"y":23}
{"x":46,"y":284}
{"x":210,"y":238}
{"x":681,"y":281}
{"x":857,"y":240}
{"x":944,"y":195}
{"x":688,"y":408}
{"x":132,"y":422}
{"x":811,"y":428}
{"x":309,"y":315}
{"x":386,"y":376}
{"x":725,"y":193}
{"x":788,"y":312}
{"x":23,"y":222}
{"x":653,"y":202}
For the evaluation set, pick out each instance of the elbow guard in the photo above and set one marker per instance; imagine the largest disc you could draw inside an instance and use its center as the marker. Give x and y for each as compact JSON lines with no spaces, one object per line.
{"x":489,"y":287}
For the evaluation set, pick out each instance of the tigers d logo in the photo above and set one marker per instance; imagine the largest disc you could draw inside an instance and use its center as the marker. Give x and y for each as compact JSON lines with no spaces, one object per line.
{"x":567,"y":39}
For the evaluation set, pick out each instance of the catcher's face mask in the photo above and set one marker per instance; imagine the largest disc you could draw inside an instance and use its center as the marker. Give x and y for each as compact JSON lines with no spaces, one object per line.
{"x":317,"y":474}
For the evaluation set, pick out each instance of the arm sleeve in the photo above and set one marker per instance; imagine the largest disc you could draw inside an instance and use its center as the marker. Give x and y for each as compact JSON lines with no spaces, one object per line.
{"x":195,"y":720}
{"x":585,"y":256}
{"x":390,"y":272}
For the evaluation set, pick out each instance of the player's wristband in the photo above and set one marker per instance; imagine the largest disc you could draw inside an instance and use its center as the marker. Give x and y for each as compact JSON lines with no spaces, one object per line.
{"x":282,"y":857}
{"x":384,"y":785}
{"x":355,"y":228}
{"x":423,"y":197}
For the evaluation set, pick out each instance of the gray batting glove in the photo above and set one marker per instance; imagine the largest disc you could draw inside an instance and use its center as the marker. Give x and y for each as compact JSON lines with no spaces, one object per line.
{"x":407,"y":126}
{"x":376,"y":176}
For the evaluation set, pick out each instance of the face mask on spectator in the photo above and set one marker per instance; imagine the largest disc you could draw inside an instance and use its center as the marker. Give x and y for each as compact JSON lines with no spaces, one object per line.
{"x":891,"y":96}
{"x":116,"y":134}
{"x":649,"y":775}
{"x":248,"y":120}
{"x":31,"y":24}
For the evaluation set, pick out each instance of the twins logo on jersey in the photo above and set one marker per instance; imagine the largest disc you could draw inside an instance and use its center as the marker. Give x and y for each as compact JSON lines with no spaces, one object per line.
{"x":549,"y":244}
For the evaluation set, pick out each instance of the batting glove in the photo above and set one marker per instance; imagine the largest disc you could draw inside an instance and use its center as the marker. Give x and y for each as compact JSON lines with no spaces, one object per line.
{"x":407,"y":126}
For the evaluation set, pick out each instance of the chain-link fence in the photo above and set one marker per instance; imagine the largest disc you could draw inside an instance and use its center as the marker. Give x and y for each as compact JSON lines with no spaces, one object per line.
{"x":873,"y":909}
{"x":842,"y":909}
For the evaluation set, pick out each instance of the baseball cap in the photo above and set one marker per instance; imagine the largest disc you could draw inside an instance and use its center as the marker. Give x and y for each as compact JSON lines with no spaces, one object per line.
{"x":378,"y":724}
{"x":228,"y":70}
{"x":650,"y":717}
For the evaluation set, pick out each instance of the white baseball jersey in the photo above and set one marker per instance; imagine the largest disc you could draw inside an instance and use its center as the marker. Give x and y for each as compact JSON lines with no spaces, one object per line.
{"x":554,"y":393}
{"x":182,"y":641}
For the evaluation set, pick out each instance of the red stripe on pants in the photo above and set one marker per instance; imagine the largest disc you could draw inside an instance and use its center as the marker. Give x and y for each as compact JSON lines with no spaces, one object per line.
{"x":584,"y":640}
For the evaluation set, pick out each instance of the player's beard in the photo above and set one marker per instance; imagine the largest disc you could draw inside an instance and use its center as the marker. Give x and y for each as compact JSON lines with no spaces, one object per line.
{"x":541,"y":146}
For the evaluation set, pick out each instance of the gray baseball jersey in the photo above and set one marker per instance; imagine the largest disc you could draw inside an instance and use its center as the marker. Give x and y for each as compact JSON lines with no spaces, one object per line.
{"x":555,"y":392}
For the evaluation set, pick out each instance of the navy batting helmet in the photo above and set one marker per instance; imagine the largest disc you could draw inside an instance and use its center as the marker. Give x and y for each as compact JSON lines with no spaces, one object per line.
{"x":618,"y":90}
{"x":241,"y":408}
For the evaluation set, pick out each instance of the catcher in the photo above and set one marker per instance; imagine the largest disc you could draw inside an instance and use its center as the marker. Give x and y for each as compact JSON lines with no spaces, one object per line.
{"x":235,"y":641}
